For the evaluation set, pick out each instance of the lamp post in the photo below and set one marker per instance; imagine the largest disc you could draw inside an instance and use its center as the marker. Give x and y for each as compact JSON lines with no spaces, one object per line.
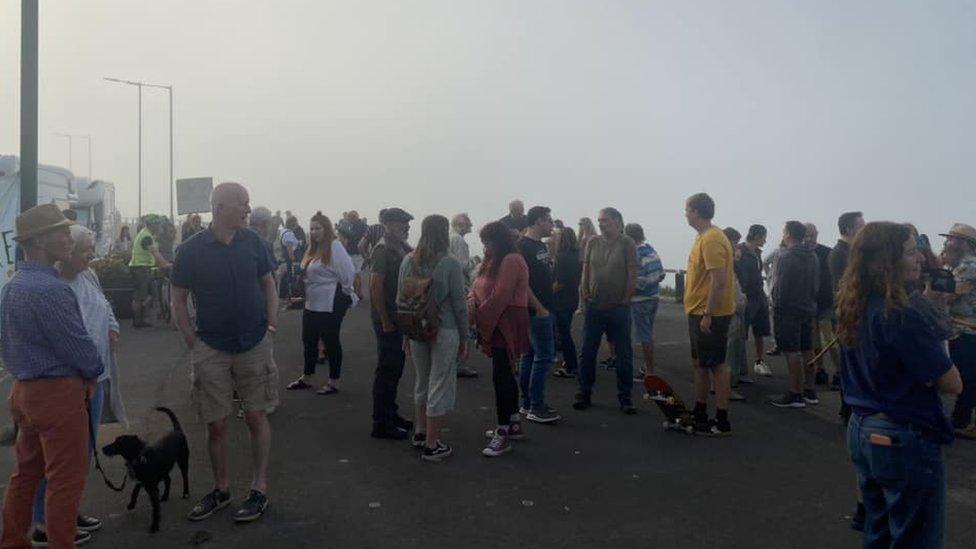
{"x":169,"y":89}
{"x":28,"y":103}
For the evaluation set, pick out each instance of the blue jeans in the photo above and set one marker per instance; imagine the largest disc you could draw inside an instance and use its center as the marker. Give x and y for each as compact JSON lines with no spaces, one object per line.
{"x":534,"y":365}
{"x":963,"y":353}
{"x":95,"y":415}
{"x":903,"y":484}
{"x":615,"y":323}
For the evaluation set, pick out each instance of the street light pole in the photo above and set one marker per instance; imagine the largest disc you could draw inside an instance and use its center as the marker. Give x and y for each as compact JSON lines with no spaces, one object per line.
{"x":141,"y":85}
{"x":28,"y":103}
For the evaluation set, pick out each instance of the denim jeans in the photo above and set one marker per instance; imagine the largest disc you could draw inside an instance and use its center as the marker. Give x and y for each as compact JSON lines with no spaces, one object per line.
{"x":389,"y":368}
{"x":963,"y":353}
{"x":903,"y":484}
{"x":614,"y":322}
{"x":94,"y":417}
{"x":534,"y":365}
{"x":564,"y":332}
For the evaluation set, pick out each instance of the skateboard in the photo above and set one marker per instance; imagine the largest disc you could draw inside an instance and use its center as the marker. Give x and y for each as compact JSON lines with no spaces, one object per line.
{"x":677,"y":416}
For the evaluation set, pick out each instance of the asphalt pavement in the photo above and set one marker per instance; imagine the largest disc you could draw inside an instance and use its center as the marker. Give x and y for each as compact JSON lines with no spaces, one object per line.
{"x":595,"y":479}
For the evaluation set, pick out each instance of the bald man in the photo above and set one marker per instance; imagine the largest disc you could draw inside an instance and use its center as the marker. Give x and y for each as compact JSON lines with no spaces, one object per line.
{"x":229,"y":272}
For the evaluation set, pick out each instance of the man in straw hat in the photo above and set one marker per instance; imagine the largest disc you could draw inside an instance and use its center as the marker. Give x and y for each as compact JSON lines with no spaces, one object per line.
{"x":54,"y":364}
{"x":960,"y":248}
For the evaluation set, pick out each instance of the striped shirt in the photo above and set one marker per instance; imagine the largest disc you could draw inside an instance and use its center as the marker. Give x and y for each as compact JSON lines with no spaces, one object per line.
{"x":42,"y":334}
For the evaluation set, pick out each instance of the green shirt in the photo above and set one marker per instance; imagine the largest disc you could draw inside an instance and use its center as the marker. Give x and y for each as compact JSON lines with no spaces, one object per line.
{"x":141,"y":253}
{"x":608,"y":263}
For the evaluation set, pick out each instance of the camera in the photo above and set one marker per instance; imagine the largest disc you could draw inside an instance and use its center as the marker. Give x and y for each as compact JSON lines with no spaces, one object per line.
{"x":941,"y":280}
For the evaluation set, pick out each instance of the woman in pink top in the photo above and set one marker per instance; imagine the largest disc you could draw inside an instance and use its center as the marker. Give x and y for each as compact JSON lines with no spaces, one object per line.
{"x":498,"y":305}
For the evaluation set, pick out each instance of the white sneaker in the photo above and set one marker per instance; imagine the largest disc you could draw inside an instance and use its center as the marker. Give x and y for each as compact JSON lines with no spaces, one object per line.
{"x":762,"y":369}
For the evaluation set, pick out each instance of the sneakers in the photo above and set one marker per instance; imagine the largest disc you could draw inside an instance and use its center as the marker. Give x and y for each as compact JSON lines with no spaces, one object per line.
{"x":499,"y":444}
{"x":389,"y":432}
{"x":402,"y":423}
{"x":523,"y":410}
{"x":746,"y":380}
{"x":761,"y":369}
{"x":210,"y":504}
{"x":810,"y":397}
{"x":774,"y":352}
{"x":88,"y":524}
{"x":39,"y":538}
{"x":857,"y":520}
{"x":252,"y":508}
{"x":789,"y":400}
{"x":713,"y":428}
{"x":968,"y":432}
{"x":438,"y":453}
{"x":419,"y":440}
{"x":640,"y":375}
{"x":835,"y":383}
{"x":609,"y":363}
{"x":563,"y":372}
{"x":466,"y":372}
{"x":628,"y":408}
{"x":736,"y":396}
{"x":545,"y":414}
{"x":514,"y":432}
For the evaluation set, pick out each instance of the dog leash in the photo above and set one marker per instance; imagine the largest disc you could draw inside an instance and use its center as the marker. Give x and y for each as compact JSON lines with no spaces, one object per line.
{"x":98,"y":465}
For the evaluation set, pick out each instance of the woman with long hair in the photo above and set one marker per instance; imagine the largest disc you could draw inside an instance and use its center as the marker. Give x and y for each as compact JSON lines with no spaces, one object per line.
{"x":123,"y":244}
{"x":499,"y":309}
{"x":435,"y":385}
{"x":328,"y":273}
{"x":585,"y":233}
{"x":895,"y":367}
{"x":567,"y":270}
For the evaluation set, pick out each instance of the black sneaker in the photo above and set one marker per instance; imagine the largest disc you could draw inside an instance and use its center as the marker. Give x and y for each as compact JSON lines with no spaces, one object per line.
{"x":582,"y":402}
{"x":210,"y":504}
{"x":419,"y":440}
{"x":401,"y":422}
{"x":789,"y":400}
{"x":39,"y":539}
{"x":544,"y":414}
{"x":563,"y":373}
{"x":391,"y":432}
{"x":821,"y":377}
{"x":810,"y":397}
{"x":713,"y":428}
{"x":640,"y":375}
{"x":628,"y":408}
{"x":774,"y":352}
{"x":464,"y":371}
{"x":835,"y":384}
{"x":253,"y":507}
{"x":609,"y":363}
{"x":88,"y":524}
{"x":438,"y":453}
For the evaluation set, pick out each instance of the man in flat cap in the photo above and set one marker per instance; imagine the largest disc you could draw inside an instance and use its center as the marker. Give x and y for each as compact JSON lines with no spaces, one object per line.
{"x":54,"y":364}
{"x":385,"y":269}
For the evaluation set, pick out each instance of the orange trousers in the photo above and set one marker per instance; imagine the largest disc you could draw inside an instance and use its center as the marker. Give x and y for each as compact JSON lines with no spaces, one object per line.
{"x":53,"y":444}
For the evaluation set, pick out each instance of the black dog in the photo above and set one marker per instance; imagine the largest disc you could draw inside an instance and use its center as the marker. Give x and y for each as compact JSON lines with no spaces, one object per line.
{"x":150,"y":465}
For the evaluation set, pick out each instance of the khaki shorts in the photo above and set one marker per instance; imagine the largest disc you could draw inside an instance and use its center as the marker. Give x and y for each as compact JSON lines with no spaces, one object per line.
{"x":216,"y":375}
{"x":823,"y":333}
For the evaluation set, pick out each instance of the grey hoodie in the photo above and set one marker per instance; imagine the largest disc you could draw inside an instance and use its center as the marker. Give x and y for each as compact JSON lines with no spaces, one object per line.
{"x":797,"y":282}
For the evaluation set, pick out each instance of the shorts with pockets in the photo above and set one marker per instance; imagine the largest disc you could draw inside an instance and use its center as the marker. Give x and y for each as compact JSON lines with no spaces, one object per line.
{"x":216,"y":375}
{"x":642,"y":318}
{"x":709,"y":350}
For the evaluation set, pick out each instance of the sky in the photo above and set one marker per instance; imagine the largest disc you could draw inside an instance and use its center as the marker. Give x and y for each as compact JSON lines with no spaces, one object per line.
{"x":779,"y":109}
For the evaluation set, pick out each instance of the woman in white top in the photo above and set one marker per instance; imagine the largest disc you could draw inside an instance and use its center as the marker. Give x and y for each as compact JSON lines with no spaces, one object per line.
{"x":105,"y":405}
{"x":329,"y":275}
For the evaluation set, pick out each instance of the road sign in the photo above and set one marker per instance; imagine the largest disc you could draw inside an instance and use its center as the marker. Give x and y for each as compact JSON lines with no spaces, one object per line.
{"x":193,"y":195}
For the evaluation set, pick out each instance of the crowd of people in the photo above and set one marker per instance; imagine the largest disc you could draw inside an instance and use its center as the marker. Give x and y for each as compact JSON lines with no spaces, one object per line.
{"x":897,"y":322}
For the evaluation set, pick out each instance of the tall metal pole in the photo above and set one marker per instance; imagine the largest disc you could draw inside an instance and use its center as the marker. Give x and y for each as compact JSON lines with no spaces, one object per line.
{"x":89,"y":158}
{"x":140,"y":151}
{"x":28,"y":103}
{"x":171,"y":181}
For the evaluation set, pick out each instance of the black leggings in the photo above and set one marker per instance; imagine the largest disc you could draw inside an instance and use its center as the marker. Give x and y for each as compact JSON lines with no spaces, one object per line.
{"x":325,"y":326}
{"x":506,"y":388}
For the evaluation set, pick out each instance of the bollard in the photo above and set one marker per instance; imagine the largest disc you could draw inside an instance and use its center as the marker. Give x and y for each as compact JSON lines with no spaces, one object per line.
{"x":679,"y":287}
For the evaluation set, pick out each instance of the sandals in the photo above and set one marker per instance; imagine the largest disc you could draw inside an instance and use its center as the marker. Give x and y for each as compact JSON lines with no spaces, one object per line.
{"x":327,"y":390}
{"x":297,"y":385}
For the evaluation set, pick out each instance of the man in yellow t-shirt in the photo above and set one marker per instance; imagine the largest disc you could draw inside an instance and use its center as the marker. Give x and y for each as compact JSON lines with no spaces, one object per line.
{"x":710,"y":304}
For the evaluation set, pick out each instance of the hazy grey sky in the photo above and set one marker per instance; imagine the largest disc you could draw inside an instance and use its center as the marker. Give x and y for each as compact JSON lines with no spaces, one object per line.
{"x":780,"y":109}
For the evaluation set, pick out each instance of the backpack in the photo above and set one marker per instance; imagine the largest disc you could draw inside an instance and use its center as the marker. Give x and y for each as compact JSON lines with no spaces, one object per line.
{"x":417,"y":315}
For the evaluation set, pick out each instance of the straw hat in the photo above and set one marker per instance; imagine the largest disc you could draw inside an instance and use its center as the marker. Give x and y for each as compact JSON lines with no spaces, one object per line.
{"x":963,"y":231}
{"x":39,"y":220}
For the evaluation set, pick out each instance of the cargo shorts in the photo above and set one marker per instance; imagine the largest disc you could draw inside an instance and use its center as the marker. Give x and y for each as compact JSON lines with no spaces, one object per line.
{"x":216,"y":375}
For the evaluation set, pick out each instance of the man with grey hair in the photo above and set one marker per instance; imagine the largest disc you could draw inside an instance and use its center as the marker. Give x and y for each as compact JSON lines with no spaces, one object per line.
{"x":459,"y":251}
{"x":823,"y":326}
{"x":608,"y":285}
{"x":260,"y":222}
{"x":516,"y":219}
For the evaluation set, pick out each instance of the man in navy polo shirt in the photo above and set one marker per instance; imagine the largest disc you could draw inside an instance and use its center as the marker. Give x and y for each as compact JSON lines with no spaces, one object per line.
{"x":229,"y":272}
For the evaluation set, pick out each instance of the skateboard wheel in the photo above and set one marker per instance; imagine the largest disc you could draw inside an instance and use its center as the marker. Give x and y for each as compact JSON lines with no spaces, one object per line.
{"x":690,"y":430}
{"x":667,"y":425}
